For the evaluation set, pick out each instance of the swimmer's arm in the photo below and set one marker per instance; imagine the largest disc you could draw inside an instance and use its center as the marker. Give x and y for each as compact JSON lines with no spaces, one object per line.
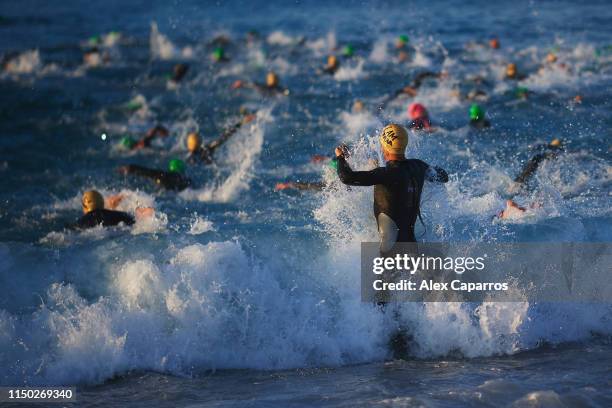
{"x":223,"y":138}
{"x":418,"y":80}
{"x":436,"y":174}
{"x":529,"y":169}
{"x":141,"y":171}
{"x":360,"y":178}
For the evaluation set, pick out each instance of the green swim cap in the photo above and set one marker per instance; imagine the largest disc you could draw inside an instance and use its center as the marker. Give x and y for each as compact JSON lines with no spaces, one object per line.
{"x":334,"y":163}
{"x":127,"y":142}
{"x":403,"y":38}
{"x":348,"y":50}
{"x":133,"y":105}
{"x":521,"y":91}
{"x":218,"y":54}
{"x":176,"y":166}
{"x":476,"y":112}
{"x":94,"y":40}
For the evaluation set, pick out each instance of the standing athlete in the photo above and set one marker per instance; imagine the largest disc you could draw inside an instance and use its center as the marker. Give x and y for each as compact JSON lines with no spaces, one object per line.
{"x":397,"y":186}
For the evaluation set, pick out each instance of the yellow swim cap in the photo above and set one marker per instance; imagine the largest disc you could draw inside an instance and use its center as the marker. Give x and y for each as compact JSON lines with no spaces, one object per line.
{"x":271,"y":80}
{"x":92,"y":200}
{"x":511,"y":70}
{"x":394,"y":139}
{"x":332,"y":61}
{"x":193,"y":142}
{"x":555,"y":143}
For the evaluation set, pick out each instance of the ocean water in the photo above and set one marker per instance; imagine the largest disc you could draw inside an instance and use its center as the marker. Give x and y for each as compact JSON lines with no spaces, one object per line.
{"x":235,"y":294}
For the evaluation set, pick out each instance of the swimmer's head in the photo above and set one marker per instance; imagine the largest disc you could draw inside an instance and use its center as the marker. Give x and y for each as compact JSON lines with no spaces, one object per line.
{"x":127,"y":142}
{"x":176,"y":166}
{"x":332,"y":61}
{"x":556,"y":143}
{"x":551,"y":58}
{"x":416,"y":110}
{"x":193,"y":142}
{"x":401,"y":42}
{"x":271,"y":80}
{"x":494,"y":43}
{"x":91,"y":201}
{"x":511,"y":70}
{"x":218,"y":54}
{"x":522,"y":92}
{"x":348,"y":50}
{"x":476,"y":112}
{"x":394,"y":139}
{"x":358,"y":106}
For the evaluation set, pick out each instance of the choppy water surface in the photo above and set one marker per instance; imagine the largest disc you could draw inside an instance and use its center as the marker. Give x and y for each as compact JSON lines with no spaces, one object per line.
{"x":237,"y":294}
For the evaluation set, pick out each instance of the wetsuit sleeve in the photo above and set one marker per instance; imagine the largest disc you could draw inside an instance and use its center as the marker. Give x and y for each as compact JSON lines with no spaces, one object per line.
{"x":530,"y":168}
{"x":436,"y":174}
{"x":144,"y":171}
{"x":360,"y":178}
{"x":313,"y":186}
{"x":106,"y":218}
{"x":111,"y":218}
{"x":418,"y":80}
{"x":223,"y":138}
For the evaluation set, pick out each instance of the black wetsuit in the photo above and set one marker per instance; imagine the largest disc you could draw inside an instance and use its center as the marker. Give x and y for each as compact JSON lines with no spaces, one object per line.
{"x":179,"y":71}
{"x":420,"y":123}
{"x":106,"y":218}
{"x":397,"y":190}
{"x":269,"y":90}
{"x":166,"y":179}
{"x":330,"y":70}
{"x":204,"y":153}
{"x":415,"y":84}
{"x":480,"y":123}
{"x":532,"y":165}
{"x":308,"y":185}
{"x":422,"y":76}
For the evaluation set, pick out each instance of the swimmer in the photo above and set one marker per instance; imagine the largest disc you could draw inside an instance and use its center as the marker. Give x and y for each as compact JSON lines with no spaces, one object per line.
{"x":96,"y":214}
{"x":199,"y":153}
{"x":513,"y":210}
{"x":310,"y":185}
{"x":178,"y":72}
{"x":477,"y":117}
{"x":271,"y":87}
{"x":156,"y":131}
{"x":348,"y":51}
{"x":419,"y":118}
{"x":513,"y":74}
{"x":412,"y":89}
{"x":300,"y":185}
{"x":218,"y":55}
{"x":332,"y":66}
{"x":494,"y":43}
{"x":173,"y":179}
{"x":397,"y":186}
{"x":548,"y":152}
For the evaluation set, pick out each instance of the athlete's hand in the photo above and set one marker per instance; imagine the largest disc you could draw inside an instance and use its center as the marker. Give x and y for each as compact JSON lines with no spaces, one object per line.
{"x":237,"y":84}
{"x":144,"y":212}
{"x":283,"y":186}
{"x":113,"y":202}
{"x":342,"y":151}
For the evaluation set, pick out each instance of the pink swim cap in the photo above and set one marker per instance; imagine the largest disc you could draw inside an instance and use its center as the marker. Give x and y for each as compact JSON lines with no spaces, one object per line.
{"x":416,"y":110}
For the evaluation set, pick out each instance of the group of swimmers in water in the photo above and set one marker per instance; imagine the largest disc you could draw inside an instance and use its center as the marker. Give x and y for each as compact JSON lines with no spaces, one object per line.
{"x":397,"y":185}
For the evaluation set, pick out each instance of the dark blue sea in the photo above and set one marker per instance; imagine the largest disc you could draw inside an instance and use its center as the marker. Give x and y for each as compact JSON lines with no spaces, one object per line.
{"x":235,"y":294}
